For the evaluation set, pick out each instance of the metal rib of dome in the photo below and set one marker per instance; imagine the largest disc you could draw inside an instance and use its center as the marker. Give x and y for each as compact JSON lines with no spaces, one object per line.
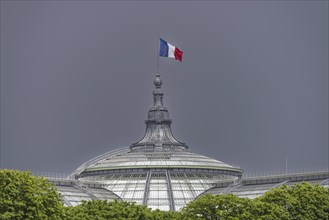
{"x":158,"y":171}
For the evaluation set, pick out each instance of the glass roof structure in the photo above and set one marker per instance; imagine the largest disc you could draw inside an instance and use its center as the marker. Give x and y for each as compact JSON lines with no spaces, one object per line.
{"x":73,"y":192}
{"x":254,"y":187}
{"x":158,"y":171}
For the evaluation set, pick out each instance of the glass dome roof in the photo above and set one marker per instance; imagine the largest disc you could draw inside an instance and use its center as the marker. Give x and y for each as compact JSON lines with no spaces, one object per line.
{"x":158,"y":171}
{"x":158,"y":159}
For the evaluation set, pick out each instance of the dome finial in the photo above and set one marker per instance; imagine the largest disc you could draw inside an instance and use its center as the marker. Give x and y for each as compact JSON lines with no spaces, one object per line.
{"x":157,"y":81}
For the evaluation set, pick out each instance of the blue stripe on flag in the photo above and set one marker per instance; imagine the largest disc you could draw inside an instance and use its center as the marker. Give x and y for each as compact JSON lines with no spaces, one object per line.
{"x":163,"y":48}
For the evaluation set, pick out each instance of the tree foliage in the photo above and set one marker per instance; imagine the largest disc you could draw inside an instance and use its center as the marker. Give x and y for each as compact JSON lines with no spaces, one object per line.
{"x":102,"y":210}
{"x":23,"y":196}
{"x":301,"y":201}
{"x":231,"y":207}
{"x":119,"y":210}
{"x":164,"y":215}
{"x":265,"y":211}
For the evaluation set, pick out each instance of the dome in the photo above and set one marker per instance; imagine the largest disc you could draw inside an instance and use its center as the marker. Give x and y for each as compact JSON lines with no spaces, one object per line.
{"x":158,"y":171}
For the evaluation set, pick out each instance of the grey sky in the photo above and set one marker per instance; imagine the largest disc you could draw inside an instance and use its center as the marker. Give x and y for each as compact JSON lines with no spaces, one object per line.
{"x":77,"y":80}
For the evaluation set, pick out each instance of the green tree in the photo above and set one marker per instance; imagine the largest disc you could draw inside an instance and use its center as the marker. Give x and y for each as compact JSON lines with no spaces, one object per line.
{"x":103,"y":210}
{"x":165,"y":215}
{"x":302,"y":201}
{"x":266,"y":211}
{"x":218,"y":207}
{"x":23,"y":196}
{"x":230,"y":207}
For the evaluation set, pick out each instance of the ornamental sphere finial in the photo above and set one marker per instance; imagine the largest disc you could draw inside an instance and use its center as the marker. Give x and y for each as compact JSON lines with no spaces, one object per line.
{"x":157,"y":81}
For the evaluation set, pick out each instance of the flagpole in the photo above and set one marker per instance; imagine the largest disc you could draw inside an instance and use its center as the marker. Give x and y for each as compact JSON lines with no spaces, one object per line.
{"x":286,"y":165}
{"x":158,"y":40}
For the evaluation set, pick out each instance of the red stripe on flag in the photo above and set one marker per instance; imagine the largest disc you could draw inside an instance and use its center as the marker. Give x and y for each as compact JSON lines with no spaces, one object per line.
{"x":178,"y":54}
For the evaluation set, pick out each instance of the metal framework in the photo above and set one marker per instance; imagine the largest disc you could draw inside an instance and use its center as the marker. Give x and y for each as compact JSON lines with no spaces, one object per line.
{"x":158,"y":171}
{"x":246,"y":187}
{"x":253,"y":187}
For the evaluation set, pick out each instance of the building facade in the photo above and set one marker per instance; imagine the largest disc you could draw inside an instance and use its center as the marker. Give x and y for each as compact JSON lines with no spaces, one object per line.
{"x":161,"y":172}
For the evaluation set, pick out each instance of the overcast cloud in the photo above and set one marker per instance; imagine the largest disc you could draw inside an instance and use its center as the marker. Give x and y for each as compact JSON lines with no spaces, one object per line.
{"x":77,"y":80}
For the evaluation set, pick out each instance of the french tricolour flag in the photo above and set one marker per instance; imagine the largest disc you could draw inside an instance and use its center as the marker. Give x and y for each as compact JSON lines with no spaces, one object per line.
{"x":168,"y":50}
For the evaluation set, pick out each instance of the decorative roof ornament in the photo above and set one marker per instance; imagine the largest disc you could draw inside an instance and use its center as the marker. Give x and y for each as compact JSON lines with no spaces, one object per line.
{"x":157,"y":81}
{"x":158,"y":130}
{"x":158,"y":93}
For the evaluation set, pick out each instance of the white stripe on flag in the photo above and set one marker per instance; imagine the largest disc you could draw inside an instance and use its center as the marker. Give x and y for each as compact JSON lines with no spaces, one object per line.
{"x":171,"y":51}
